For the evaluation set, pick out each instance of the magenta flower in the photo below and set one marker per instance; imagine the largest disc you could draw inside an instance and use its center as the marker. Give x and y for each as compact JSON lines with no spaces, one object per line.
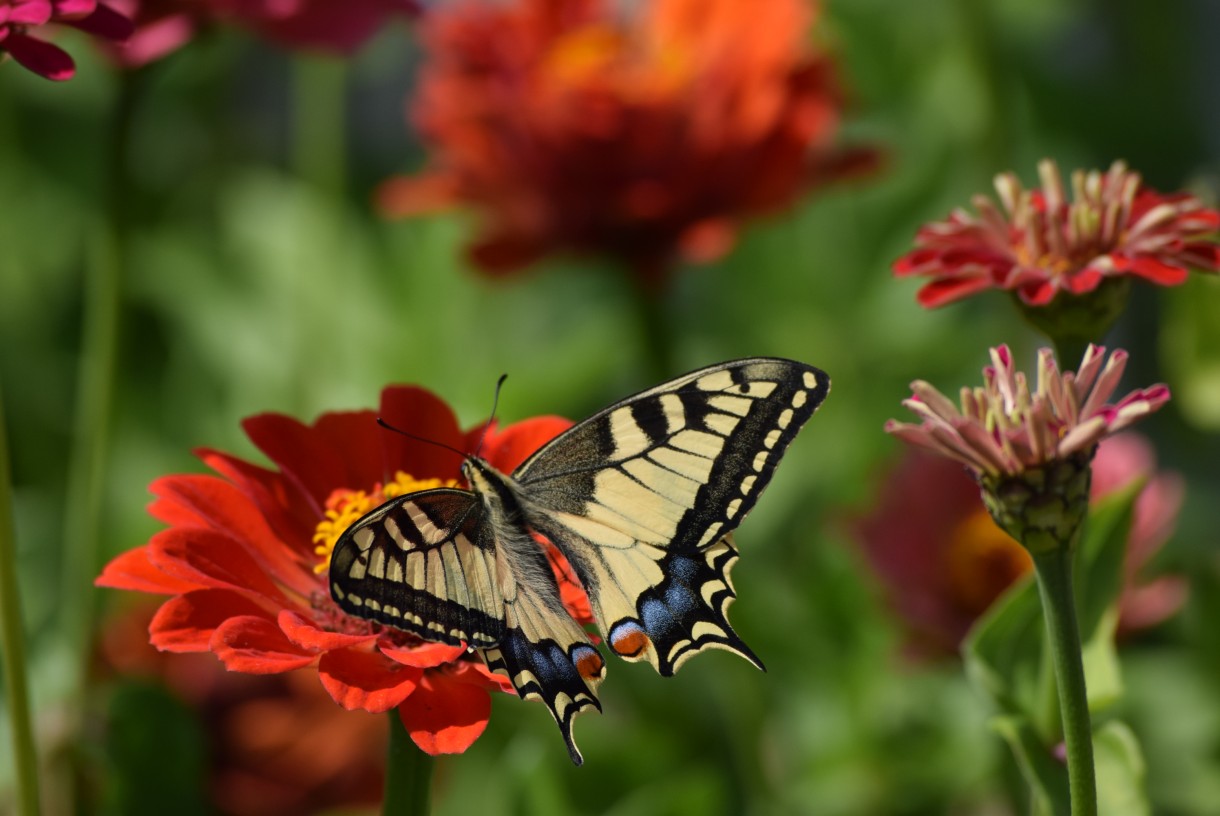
{"x":1030,"y":449}
{"x":19,"y":19}
{"x":1042,"y":245}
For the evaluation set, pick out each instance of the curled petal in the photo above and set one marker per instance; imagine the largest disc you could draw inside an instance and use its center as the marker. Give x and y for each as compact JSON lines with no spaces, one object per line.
{"x":256,"y":645}
{"x":310,"y":637}
{"x":188,"y":622}
{"x":425,"y":656}
{"x":360,"y":679}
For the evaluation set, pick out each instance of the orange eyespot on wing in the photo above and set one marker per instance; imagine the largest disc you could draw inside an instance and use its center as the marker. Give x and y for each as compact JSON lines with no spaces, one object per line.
{"x":629,"y":640}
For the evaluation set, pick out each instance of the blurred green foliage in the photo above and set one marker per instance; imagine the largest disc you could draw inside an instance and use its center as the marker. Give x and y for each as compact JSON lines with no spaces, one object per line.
{"x":259,"y":279}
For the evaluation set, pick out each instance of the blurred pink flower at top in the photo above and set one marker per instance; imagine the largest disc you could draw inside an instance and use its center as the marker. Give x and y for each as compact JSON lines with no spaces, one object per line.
{"x":942,"y":561}
{"x":20,"y":18}
{"x":642,"y":132}
{"x":1042,"y":244}
{"x":331,"y":26}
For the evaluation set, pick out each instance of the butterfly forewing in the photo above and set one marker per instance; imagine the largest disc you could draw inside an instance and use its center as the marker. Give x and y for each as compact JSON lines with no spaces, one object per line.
{"x":424,"y":562}
{"x":640,"y":497}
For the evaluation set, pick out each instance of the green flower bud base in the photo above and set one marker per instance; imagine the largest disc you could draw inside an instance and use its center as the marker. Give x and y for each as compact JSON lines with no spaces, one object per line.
{"x":1042,"y":507}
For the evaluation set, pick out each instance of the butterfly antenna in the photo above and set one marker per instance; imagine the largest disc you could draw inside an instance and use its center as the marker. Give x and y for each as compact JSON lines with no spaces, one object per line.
{"x":423,"y":439}
{"x":495,"y":402}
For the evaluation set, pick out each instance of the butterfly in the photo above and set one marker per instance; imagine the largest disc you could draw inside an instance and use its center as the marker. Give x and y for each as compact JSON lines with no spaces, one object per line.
{"x":640,"y":498}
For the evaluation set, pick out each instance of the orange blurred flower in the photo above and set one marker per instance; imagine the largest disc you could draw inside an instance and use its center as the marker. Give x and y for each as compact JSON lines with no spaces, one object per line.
{"x":643,"y":132}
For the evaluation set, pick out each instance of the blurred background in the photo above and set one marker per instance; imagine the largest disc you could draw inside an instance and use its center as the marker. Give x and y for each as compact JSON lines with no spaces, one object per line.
{"x":257,"y":275}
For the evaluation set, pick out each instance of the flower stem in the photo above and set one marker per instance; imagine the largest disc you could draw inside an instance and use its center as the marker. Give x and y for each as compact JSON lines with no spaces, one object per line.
{"x":650,"y":307}
{"x":408,"y":774}
{"x":1054,"y":572}
{"x":12,"y":643}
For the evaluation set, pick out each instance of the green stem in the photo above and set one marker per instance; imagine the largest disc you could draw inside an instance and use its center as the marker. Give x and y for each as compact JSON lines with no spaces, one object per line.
{"x":650,"y":307}
{"x":408,"y":774}
{"x":1054,"y":573}
{"x":319,"y":144}
{"x":12,"y":643}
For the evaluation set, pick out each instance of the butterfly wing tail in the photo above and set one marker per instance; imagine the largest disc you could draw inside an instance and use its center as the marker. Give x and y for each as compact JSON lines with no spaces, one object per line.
{"x":548,"y":657}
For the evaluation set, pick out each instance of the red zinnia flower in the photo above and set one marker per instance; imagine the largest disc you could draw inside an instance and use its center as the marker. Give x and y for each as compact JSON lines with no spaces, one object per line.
{"x":1042,"y":244}
{"x":943,"y":561}
{"x":19,"y":17}
{"x":246,"y":552}
{"x":637,"y":131}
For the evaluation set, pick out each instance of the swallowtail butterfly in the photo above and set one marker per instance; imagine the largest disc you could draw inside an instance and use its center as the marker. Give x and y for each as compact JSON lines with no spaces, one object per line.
{"x":640,"y":498}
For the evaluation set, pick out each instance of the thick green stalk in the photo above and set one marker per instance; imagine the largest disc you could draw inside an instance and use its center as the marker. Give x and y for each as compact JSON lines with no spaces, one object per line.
{"x":12,"y":642}
{"x":408,"y":774}
{"x":319,"y":114}
{"x":1054,"y":573}
{"x":650,"y":299}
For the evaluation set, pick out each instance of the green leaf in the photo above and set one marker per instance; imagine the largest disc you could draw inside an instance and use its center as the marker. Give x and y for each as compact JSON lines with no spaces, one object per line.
{"x":1046,"y":775}
{"x":1120,"y":772}
{"x":1103,"y":549}
{"x":1003,"y":650}
{"x":1103,"y":674}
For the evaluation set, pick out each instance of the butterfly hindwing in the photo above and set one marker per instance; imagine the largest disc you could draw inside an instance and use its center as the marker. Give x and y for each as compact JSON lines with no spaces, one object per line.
{"x":425,"y":562}
{"x":640,"y":497}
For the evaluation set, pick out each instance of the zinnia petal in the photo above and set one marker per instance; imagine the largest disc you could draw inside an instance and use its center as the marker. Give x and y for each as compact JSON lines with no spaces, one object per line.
{"x":256,"y":645}
{"x":188,"y":622}
{"x":445,"y":715}
{"x":366,"y":680}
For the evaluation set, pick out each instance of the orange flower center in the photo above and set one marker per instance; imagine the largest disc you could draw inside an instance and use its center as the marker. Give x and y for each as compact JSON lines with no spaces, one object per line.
{"x":344,"y":507}
{"x":982,"y":561}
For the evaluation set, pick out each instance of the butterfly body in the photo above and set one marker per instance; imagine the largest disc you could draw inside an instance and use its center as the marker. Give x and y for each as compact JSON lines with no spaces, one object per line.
{"x":640,"y":499}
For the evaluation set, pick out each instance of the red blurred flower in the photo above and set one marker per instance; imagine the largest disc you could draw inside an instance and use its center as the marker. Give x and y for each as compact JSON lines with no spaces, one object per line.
{"x":942,"y":560}
{"x":1042,"y":244}
{"x":247,"y":578}
{"x":638,"y":131}
{"x":163,"y":26}
{"x":19,"y":17}
{"x":261,"y":761}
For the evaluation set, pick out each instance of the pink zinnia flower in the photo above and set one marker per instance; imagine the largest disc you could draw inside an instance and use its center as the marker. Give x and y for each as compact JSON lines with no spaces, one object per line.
{"x":942,"y":560}
{"x":1042,"y":244}
{"x":1030,"y":448}
{"x":19,"y":19}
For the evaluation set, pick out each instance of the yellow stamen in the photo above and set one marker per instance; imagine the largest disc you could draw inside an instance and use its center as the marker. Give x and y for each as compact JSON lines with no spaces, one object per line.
{"x":345,"y":507}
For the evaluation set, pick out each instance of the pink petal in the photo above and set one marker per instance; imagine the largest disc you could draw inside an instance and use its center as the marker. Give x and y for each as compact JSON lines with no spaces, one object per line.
{"x":42,"y":58}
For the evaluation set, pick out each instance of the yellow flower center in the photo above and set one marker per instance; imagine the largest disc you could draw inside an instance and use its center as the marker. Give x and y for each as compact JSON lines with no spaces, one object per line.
{"x":344,"y":507}
{"x":982,"y":561}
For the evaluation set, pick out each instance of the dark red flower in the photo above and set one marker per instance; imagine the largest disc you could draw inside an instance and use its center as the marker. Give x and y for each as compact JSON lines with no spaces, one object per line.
{"x":942,"y":560}
{"x":163,"y":26}
{"x":245,"y":556}
{"x":19,"y":18}
{"x":641,"y":131}
{"x":1042,"y":244}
